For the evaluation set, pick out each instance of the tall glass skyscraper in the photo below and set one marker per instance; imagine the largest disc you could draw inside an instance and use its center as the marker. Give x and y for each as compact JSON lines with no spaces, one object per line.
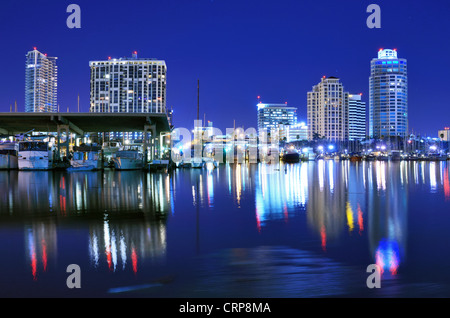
{"x":388,"y":101}
{"x":41,"y":82}
{"x":356,"y":117}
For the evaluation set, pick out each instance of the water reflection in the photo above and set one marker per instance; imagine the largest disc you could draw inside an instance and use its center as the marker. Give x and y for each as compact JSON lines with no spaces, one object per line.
{"x":126,"y":214}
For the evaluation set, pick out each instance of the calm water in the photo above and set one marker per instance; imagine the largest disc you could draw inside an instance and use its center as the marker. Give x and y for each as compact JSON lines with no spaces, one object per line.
{"x":303,"y":230}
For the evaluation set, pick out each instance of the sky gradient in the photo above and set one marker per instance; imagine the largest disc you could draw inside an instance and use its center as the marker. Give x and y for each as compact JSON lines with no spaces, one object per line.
{"x":238,"y":49}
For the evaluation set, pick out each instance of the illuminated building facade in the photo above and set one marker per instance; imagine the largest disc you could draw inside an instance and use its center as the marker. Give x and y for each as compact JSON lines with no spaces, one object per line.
{"x":356,"y":117}
{"x":388,"y":105}
{"x":128,"y":85}
{"x":275,"y":116}
{"x":41,"y":82}
{"x":328,"y":110}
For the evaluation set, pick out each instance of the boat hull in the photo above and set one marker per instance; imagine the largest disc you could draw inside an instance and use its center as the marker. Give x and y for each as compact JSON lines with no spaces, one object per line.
{"x":128,"y":164}
{"x":8,"y":161}
{"x":35,"y":160}
{"x":85,"y":165}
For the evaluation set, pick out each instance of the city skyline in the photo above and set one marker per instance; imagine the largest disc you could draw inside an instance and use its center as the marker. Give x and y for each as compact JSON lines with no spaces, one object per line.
{"x":202,"y":50}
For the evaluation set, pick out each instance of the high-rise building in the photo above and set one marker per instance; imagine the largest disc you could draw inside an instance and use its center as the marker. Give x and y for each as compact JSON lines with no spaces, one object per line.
{"x":356,"y":117}
{"x":327,"y":113}
{"x":388,"y":105}
{"x":275,"y":116}
{"x":41,"y":82}
{"x":128,"y":85}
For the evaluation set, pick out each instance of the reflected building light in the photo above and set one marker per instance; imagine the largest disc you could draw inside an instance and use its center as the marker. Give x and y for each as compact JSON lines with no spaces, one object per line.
{"x":106,"y":239}
{"x":364,"y":174}
{"x":44,"y":254}
{"x":238,"y":185}
{"x":229,"y":177}
{"x":422,"y":172}
{"x":113,"y":250}
{"x":134,"y":260}
{"x":360,"y":220}
{"x":78,"y":196}
{"x":416,"y":172}
{"x":93,"y":249}
{"x":161,"y":194}
{"x":32,"y":254}
{"x":433,"y":183}
{"x":210,"y":187}
{"x":387,"y":256}
{"x":123,"y":251}
{"x":323,"y":237}
{"x":321,"y":168}
{"x":446,"y":185}
{"x":303,"y":184}
{"x":349,"y":214}
{"x":193,"y":195}
{"x":381,"y":175}
{"x":331,"y":175}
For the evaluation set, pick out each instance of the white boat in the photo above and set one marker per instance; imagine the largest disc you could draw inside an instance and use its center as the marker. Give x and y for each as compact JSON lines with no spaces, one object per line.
{"x":110,"y":148}
{"x":128,"y":160}
{"x":9,"y":155}
{"x":86,"y":158}
{"x":35,"y":155}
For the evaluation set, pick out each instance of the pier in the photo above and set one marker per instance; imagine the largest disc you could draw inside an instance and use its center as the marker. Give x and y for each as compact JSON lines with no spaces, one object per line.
{"x":80,"y":124}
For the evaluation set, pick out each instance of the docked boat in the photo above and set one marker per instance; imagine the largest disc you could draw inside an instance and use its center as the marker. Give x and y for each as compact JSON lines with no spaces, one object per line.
{"x":370,"y":157}
{"x":437,"y":157}
{"x":110,"y":148}
{"x":86,"y":158}
{"x":290,"y":156}
{"x":35,"y":155}
{"x":9,"y":155}
{"x":355,"y":157}
{"x":128,"y":160}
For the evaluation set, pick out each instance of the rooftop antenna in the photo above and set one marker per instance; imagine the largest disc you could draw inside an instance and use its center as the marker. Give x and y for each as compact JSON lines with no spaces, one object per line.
{"x":198,"y":98}
{"x":78,"y":102}
{"x":15,"y":106}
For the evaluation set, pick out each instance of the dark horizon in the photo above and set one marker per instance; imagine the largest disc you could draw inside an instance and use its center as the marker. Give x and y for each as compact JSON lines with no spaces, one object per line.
{"x":238,"y":50}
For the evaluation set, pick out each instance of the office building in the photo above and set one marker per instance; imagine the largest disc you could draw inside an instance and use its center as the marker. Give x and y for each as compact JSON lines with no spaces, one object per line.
{"x":356,"y":117}
{"x":327,"y":112}
{"x":388,"y":100}
{"x":41,"y":82}
{"x":275,"y":116}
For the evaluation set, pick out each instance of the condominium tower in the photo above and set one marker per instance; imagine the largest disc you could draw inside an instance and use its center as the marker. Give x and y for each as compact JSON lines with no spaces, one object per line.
{"x":128,"y":85}
{"x":327,"y":112}
{"x":388,"y":105}
{"x":41,"y":77}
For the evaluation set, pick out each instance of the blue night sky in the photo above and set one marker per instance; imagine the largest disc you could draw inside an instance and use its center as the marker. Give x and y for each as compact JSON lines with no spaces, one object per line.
{"x":239,"y":49}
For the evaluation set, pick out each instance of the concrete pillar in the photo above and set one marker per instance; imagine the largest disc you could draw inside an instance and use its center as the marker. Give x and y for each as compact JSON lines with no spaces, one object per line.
{"x":60,"y":129}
